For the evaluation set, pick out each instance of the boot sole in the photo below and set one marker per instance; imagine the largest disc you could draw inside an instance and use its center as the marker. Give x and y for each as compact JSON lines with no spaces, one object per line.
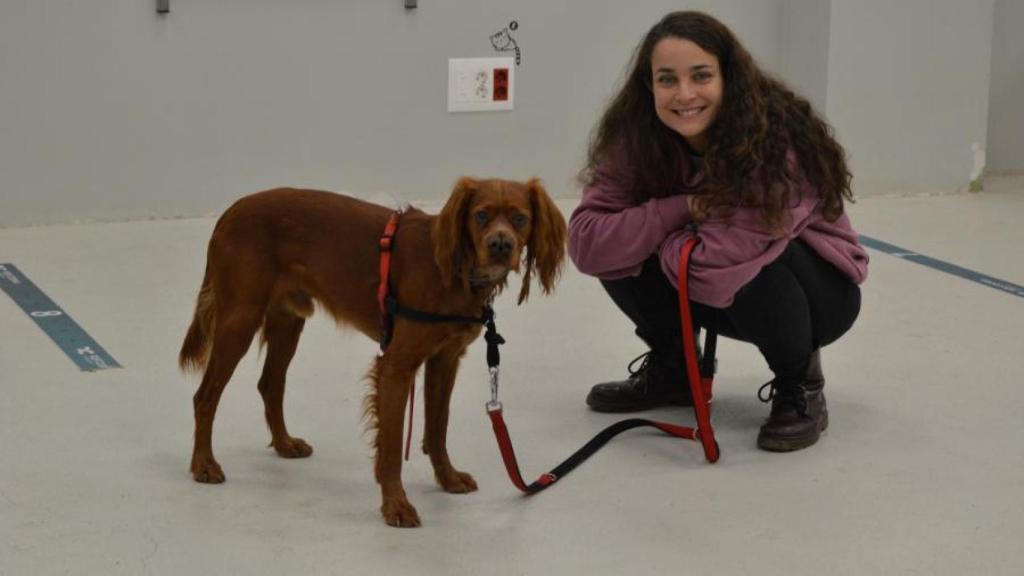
{"x":792,"y":443}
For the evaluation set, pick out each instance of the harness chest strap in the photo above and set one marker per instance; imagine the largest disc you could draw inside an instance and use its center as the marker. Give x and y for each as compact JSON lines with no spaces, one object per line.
{"x":387,"y":239}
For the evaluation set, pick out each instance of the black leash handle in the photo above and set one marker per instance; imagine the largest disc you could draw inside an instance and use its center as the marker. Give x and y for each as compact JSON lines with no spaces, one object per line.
{"x":580,"y":456}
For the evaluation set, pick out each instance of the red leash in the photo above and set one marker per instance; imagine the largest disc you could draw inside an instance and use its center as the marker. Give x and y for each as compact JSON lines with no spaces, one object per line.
{"x":699,"y":377}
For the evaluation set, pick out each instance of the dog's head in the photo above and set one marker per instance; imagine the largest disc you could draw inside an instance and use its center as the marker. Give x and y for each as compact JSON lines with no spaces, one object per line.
{"x":490,"y":227}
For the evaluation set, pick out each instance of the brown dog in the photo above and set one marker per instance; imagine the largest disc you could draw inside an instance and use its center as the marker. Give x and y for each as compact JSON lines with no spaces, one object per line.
{"x":273,"y":253}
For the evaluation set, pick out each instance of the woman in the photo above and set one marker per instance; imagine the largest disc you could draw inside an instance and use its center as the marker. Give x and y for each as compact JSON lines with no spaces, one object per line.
{"x":700,"y":142}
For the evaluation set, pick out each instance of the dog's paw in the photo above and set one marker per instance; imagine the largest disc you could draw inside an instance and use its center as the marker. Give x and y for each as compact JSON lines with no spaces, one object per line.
{"x":293,"y":448}
{"x":207,"y":471}
{"x":400,"y":513}
{"x":457,"y":482}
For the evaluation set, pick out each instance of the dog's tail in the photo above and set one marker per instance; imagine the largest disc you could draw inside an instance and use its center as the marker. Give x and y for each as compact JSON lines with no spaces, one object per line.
{"x":195,"y":351}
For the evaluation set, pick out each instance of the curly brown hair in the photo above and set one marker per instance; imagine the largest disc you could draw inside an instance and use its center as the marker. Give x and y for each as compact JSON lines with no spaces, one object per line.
{"x":746,"y":163}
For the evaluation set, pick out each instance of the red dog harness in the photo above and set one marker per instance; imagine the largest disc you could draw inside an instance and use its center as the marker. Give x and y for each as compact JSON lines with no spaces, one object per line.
{"x":389,"y":306}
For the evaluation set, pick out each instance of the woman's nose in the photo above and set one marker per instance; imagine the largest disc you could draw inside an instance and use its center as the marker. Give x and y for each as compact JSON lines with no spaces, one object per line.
{"x":684,"y":92}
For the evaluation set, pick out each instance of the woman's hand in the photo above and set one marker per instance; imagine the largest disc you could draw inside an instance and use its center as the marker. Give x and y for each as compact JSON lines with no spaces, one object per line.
{"x":690,"y":201}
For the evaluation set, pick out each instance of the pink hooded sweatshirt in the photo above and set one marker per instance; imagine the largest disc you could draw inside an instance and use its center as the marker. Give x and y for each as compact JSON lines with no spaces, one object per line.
{"x":611,"y":234}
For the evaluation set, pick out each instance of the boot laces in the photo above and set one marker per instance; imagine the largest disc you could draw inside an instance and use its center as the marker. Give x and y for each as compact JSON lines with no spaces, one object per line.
{"x":783,"y":397}
{"x":638,"y":375}
{"x":643,"y":364}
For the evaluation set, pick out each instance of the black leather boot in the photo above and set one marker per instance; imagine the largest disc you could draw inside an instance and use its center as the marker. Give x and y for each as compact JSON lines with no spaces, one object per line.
{"x":647,"y":387}
{"x":799,"y":413}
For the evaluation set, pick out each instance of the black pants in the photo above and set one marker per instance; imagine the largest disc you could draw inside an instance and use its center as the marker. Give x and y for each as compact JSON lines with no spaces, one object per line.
{"x":795,"y":305}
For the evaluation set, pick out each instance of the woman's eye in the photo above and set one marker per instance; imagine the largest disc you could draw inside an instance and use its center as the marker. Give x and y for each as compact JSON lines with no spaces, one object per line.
{"x":666,"y":80}
{"x":702,"y":77}
{"x":481,"y":217}
{"x":519,"y":220}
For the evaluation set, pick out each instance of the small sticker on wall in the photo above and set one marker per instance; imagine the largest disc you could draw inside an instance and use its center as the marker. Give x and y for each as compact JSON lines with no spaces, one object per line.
{"x":503,"y":41}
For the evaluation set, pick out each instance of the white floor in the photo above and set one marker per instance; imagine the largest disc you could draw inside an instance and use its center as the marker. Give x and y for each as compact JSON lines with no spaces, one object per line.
{"x":921,"y":472}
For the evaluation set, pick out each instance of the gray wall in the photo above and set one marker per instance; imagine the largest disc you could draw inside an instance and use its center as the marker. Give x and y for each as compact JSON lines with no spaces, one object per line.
{"x":1006,"y":114}
{"x":908,"y":91}
{"x":109,"y":112}
{"x":806,"y":26}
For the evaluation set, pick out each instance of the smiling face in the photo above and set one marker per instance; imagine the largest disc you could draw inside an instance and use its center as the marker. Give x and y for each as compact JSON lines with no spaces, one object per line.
{"x":687,"y":87}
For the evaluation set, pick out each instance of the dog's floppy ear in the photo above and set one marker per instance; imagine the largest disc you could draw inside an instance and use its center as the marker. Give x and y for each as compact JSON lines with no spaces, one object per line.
{"x":545,"y":249}
{"x":451,"y":250}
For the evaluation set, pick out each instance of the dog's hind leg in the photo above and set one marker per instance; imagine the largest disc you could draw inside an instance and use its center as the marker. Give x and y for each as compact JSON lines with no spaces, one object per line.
{"x":233,"y":333}
{"x":281,"y":331}
{"x":439,"y":379}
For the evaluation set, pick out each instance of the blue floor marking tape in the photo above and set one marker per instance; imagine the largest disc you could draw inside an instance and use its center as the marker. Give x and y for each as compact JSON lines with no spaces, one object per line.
{"x":67,"y":334}
{"x":946,"y":267}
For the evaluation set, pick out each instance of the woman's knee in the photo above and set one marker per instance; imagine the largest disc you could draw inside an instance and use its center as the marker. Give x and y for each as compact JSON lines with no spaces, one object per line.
{"x":846,"y":313}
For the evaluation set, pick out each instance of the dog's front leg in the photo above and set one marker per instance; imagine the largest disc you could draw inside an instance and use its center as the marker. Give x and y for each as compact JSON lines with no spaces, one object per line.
{"x":394,"y":377}
{"x":439,"y":380}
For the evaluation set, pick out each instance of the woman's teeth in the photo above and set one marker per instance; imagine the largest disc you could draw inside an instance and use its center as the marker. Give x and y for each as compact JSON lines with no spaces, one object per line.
{"x":689,"y":112}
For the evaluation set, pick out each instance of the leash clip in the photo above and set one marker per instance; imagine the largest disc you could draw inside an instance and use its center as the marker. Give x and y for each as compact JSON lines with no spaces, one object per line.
{"x":494,"y":404}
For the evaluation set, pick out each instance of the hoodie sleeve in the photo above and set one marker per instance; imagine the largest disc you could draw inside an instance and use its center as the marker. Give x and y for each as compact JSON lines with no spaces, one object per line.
{"x":732,"y":252}
{"x":742,"y":239}
{"x":611,"y":233}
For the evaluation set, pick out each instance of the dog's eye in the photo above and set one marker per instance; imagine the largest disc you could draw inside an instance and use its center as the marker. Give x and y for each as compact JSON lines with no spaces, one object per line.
{"x":481,"y":217}
{"x":519,"y":220}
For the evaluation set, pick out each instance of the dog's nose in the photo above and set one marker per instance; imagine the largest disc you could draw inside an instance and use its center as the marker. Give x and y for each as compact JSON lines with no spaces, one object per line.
{"x":500,"y":246}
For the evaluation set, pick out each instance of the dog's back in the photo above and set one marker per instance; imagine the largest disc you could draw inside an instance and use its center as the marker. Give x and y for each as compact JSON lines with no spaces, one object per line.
{"x":286,"y":248}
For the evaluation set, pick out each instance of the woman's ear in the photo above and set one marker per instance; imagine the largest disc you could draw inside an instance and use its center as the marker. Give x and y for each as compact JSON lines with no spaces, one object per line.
{"x":450,"y":251}
{"x":545,"y":249}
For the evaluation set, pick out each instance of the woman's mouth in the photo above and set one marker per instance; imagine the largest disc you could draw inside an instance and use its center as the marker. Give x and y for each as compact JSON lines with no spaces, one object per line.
{"x":688,"y":112}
